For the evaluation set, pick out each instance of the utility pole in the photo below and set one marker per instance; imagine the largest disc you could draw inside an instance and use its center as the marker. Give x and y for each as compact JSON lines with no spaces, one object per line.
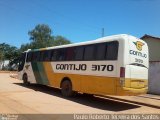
{"x":102,"y":32}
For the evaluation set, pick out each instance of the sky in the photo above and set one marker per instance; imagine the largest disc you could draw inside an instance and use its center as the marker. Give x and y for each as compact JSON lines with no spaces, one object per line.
{"x":78,"y":20}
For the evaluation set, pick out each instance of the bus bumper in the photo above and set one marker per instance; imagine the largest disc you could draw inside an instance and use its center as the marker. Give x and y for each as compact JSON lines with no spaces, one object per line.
{"x":131,"y":91}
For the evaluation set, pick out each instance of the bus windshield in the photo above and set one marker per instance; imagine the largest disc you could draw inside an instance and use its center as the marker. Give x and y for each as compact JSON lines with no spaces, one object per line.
{"x":21,"y":61}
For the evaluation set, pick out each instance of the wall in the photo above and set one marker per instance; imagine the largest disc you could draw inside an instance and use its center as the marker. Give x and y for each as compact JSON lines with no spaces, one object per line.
{"x":154,"y":49}
{"x":154,"y":78}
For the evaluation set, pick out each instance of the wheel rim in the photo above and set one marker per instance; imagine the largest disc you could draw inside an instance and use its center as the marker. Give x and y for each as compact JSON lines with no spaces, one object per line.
{"x":66,"y":87}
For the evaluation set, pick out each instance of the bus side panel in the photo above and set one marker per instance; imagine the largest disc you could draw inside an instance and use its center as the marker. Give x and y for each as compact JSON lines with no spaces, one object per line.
{"x":75,"y":80}
{"x":50,"y":74}
{"x":98,"y":85}
{"x":99,"y":80}
{"x":56,"y":78}
{"x":39,"y":73}
{"x":82,"y":83}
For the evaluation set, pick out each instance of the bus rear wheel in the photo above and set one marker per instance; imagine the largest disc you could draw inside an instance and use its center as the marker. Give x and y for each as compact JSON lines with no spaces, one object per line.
{"x":25,"y":79}
{"x":66,"y":88}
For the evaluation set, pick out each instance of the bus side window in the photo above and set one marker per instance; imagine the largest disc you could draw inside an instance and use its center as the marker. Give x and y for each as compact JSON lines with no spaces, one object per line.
{"x":46,"y":56}
{"x":60,"y":54}
{"x":29,"y":57}
{"x":78,"y":53}
{"x":100,"y":51}
{"x":70,"y":53}
{"x":33,"y":57}
{"x":36,"y":56}
{"x":41,"y":56}
{"x":53,"y":55}
{"x":89,"y":52}
{"x":112,"y":50}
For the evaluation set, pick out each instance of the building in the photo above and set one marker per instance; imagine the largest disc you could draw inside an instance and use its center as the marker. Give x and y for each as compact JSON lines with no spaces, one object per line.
{"x":4,"y":64}
{"x":154,"y":66}
{"x":154,"y":47}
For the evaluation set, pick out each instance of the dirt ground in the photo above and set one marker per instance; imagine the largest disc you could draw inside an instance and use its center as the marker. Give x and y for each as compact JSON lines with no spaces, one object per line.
{"x":15,"y":98}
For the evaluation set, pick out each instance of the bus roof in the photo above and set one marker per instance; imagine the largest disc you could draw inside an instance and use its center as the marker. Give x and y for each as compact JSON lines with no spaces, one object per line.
{"x":99,"y":40}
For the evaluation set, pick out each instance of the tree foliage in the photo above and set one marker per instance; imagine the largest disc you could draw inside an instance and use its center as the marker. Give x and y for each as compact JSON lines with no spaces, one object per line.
{"x":4,"y":49}
{"x":0,"y":55}
{"x":8,"y":52}
{"x":40,"y":36}
{"x":60,"y":40}
{"x":25,"y":47}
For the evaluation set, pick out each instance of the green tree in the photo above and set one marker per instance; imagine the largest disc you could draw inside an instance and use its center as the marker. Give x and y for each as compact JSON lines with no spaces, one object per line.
{"x":12,"y":53}
{"x":8,"y":52}
{"x":60,"y":40}
{"x":1,"y":52}
{"x":40,"y":36}
{"x":0,"y":55}
{"x":4,"y":48}
{"x":25,"y":47}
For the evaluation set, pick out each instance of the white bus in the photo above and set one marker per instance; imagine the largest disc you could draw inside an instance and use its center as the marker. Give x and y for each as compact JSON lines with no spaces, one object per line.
{"x":114,"y":65}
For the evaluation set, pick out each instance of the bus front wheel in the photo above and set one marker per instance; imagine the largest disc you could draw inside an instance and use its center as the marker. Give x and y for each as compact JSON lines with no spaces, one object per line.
{"x":25,"y":79}
{"x":66,"y":88}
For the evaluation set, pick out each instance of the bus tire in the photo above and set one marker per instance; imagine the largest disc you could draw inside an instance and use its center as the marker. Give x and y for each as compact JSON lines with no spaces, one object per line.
{"x":66,"y":88}
{"x":25,"y":79}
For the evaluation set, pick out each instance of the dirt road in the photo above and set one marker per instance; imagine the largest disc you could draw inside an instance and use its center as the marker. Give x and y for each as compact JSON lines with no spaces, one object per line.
{"x":37,"y":99}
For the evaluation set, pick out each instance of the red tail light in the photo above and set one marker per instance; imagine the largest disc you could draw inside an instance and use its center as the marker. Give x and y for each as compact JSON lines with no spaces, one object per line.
{"x":122,"y":72}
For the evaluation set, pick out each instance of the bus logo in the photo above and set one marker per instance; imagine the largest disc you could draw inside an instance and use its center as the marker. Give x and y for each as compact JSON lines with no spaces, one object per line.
{"x":139,"y":45}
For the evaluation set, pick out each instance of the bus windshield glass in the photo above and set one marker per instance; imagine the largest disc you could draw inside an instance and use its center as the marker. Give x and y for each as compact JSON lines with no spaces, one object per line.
{"x":21,"y":61}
